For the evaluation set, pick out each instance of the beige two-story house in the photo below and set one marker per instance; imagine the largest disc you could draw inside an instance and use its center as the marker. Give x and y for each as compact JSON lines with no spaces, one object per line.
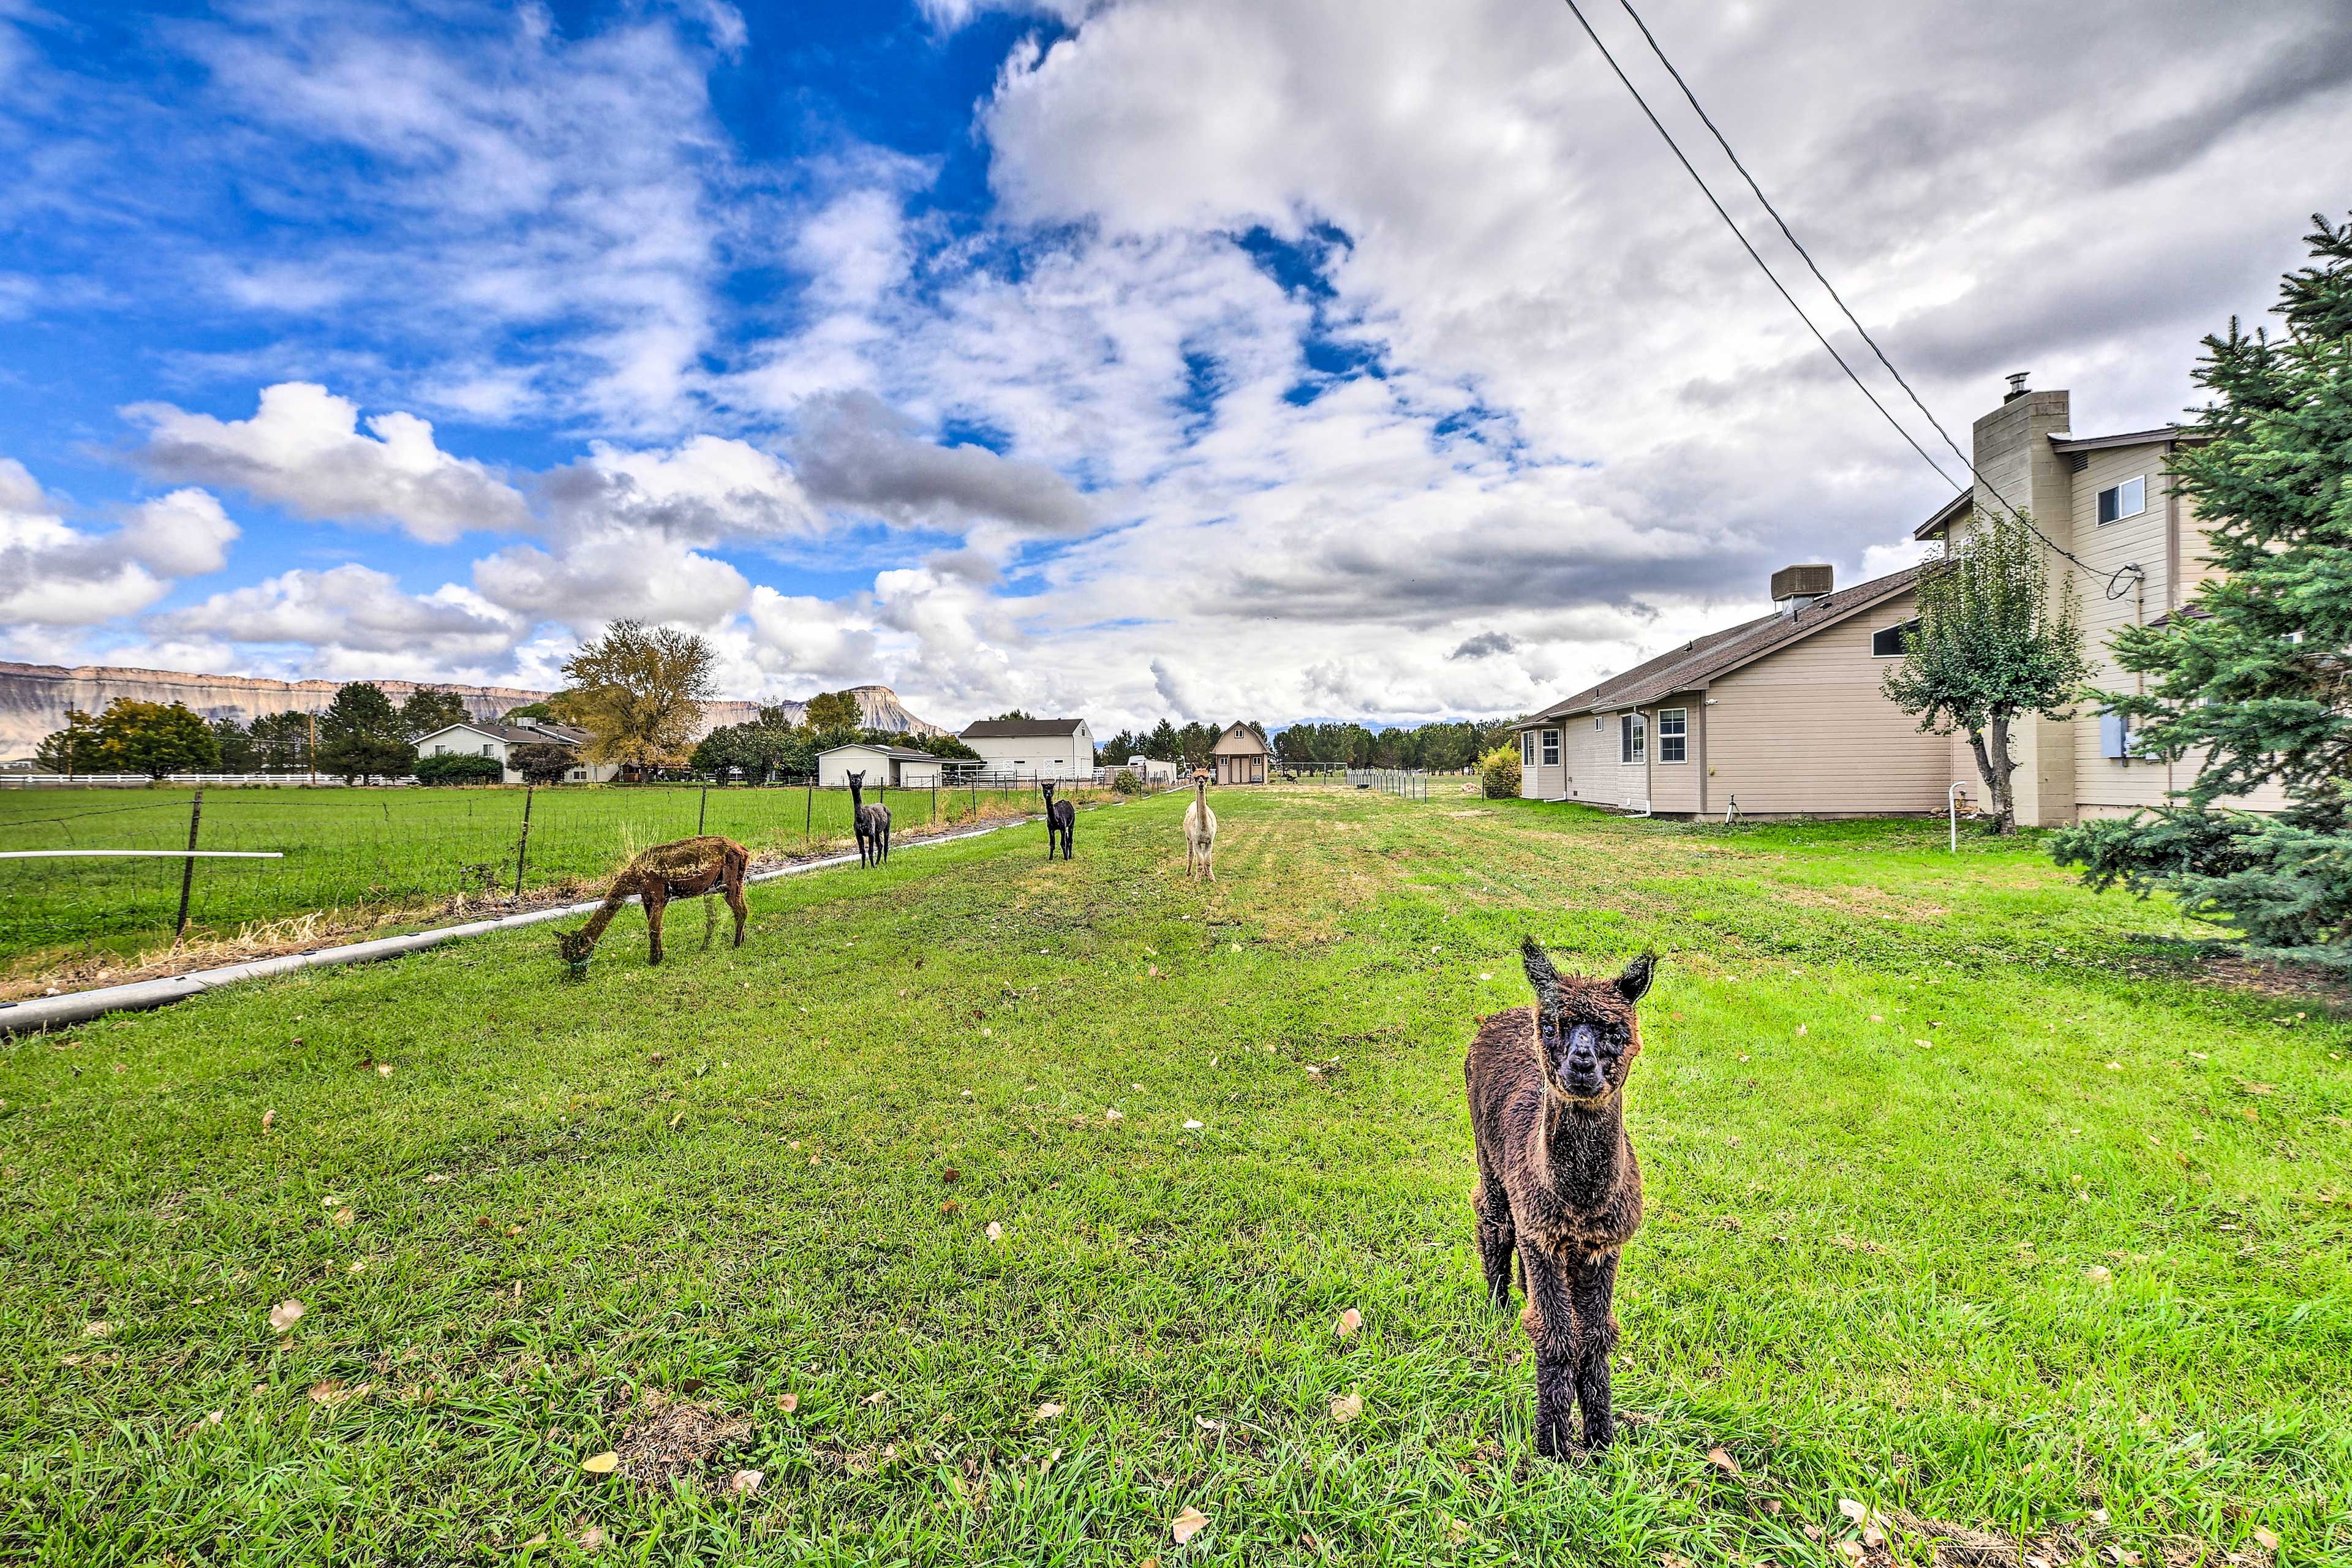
{"x":1783,"y":715}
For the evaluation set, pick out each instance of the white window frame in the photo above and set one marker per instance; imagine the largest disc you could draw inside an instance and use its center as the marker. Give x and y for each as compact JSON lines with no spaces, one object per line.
{"x":1911,"y":624}
{"x":1552,"y":747}
{"x":1677,"y":739}
{"x":1526,"y":747}
{"x":2137,"y":482}
{"x":1633,"y":740}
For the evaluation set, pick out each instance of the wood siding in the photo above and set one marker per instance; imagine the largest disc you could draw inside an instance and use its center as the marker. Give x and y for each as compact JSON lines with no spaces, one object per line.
{"x":1806,"y":730}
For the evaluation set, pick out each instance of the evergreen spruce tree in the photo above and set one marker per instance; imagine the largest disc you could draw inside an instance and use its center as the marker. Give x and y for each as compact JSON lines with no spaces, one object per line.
{"x":2253,"y":677}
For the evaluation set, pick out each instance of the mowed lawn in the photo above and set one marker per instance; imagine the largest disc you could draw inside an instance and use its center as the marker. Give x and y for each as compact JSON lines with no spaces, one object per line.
{"x":1963,"y":1206}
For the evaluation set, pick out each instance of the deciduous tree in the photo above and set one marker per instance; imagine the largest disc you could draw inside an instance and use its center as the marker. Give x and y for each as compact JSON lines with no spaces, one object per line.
{"x":1990,"y":648}
{"x":429,"y":708}
{"x":76,"y":749}
{"x":638,"y":692}
{"x":833,"y":710}
{"x":155,"y":738}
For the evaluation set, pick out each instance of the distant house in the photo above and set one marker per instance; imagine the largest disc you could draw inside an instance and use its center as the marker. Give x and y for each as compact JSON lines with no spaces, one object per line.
{"x":486,"y":738}
{"x":1241,"y":756}
{"x":1034,"y":748}
{"x":897,"y":767}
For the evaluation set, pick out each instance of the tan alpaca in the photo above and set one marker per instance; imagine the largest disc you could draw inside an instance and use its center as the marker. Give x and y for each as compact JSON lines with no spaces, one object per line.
{"x":1200,"y":832}
{"x":685,"y":870}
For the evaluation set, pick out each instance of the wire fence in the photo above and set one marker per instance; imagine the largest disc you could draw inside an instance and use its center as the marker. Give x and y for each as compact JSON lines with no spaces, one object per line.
{"x":1407,"y":783}
{"x":363,"y":856}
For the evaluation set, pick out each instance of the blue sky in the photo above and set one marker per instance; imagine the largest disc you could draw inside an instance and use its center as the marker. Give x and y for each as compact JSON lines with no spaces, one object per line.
{"x":1120,"y":357}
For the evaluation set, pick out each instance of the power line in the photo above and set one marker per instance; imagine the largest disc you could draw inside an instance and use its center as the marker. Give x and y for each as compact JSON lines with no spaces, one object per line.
{"x":1706,"y":190}
{"x":1721,"y":140}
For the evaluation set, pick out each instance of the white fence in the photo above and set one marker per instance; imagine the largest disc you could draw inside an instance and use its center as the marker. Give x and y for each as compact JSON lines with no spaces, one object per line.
{"x":9,"y":779}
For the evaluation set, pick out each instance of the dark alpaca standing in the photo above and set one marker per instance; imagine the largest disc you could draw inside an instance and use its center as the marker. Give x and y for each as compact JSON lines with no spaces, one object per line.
{"x":871,"y":823}
{"x":1557,"y":1183}
{"x":1061,"y":818}
{"x":685,"y":870}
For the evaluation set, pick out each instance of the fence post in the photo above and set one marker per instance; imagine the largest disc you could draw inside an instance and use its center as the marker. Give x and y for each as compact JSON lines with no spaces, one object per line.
{"x":704,"y":814}
{"x":808,"y":816}
{"x":522,"y":845}
{"x":188,"y":866}
{"x":935,"y":805}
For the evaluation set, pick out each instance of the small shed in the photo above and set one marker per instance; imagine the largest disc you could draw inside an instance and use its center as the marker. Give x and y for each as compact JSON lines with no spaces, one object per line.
{"x":1148,"y":770}
{"x":1241,"y":756}
{"x":897,"y":767}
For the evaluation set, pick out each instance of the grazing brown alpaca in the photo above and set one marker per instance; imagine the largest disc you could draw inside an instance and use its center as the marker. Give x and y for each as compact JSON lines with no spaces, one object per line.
{"x":1557,"y":1183}
{"x":685,"y":869}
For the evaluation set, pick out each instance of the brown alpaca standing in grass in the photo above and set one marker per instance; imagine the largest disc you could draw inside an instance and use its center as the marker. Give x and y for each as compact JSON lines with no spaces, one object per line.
{"x":685,"y":870}
{"x":1559,"y":1187}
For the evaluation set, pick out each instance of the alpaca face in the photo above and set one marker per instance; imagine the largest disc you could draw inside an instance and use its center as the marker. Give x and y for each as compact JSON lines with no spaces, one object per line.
{"x":1585,"y":1026}
{"x":575,"y":946}
{"x":856,"y":779}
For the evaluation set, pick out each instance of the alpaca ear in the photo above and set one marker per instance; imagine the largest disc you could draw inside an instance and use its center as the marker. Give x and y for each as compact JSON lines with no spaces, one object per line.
{"x":1540,"y":973}
{"x":1634,"y":983}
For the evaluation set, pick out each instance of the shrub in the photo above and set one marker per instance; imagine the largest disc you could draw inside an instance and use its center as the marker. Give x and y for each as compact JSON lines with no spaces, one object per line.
{"x":459,"y":768}
{"x":1125,"y":781}
{"x":1498,"y":772}
{"x":543,"y":761}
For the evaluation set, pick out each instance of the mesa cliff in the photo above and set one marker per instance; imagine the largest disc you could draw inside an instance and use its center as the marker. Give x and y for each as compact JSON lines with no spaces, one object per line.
{"x":34,"y":698}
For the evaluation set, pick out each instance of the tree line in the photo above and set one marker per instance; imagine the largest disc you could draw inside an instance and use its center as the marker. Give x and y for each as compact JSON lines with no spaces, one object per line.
{"x":362,"y":733}
{"x":1438,"y":747}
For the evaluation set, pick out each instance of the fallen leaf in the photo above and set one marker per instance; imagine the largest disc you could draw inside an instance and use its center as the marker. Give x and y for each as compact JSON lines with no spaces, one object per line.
{"x":2265,"y":1540}
{"x":2099,"y":1274}
{"x":743,"y":1483}
{"x":951,"y":1175}
{"x":1801,"y":1028}
{"x":436,"y":1179}
{"x":1114,"y":1114}
{"x":1048,"y":1411}
{"x":1812,"y":1532}
{"x":1873,"y":1530}
{"x":1046,"y":1463}
{"x":269,"y":1119}
{"x":678,"y":1117}
{"x":331,"y":1392}
{"x":98,"y":1331}
{"x":2115,"y":1067}
{"x":384,"y":1069}
{"x":1188,"y":1524}
{"x":592,"y":1538}
{"x":1350,"y":1321}
{"x":1346,"y":1407}
{"x":539,"y":1540}
{"x":877,"y":1397}
{"x":282,"y":1316}
{"x":1193,"y":1126}
{"x":1850,"y":1549}
{"x":344,"y":1216}
{"x":603,"y":1463}
{"x":788,"y":1403}
{"x":995,"y":1231}
{"x":1723,"y":1461}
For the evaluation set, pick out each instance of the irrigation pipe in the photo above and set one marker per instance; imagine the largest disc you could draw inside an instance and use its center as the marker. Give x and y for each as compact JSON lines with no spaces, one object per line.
{"x":153,"y":854}
{"x":80,"y":1006}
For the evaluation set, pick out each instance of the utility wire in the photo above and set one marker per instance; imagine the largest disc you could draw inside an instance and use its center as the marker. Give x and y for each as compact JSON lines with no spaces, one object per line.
{"x":1863,"y":332}
{"x":1738,"y":233}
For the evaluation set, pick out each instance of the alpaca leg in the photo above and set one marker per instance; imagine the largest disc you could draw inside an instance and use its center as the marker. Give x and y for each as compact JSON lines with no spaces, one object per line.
{"x":1549,"y":1320}
{"x":742,"y":909}
{"x":654,"y":902}
{"x":1498,"y":1238}
{"x":1593,"y":1291}
{"x":709,"y":923}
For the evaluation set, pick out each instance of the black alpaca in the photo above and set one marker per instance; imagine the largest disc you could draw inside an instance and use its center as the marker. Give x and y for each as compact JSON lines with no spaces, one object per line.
{"x":1559,"y":1187}
{"x":1061,"y":817}
{"x":871,"y":823}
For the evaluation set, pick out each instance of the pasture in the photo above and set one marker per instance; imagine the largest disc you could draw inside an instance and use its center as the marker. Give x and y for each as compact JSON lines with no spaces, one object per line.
{"x":1964,"y":1208}
{"x":360,"y":857}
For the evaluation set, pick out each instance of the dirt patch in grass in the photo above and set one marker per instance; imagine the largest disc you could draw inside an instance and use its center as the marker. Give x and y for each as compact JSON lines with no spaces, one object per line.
{"x":672,"y":1440}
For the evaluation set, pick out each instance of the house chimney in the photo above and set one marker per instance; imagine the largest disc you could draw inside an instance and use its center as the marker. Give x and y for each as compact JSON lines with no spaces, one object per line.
{"x":2017,"y":387}
{"x":1794,"y":587}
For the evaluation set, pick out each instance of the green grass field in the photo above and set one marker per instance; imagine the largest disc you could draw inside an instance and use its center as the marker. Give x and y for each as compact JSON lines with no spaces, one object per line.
{"x":359,"y":854}
{"x":1963,"y":1206}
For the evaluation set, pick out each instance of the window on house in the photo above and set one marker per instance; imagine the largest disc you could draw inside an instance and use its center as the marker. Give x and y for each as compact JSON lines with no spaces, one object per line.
{"x":1892,"y":642}
{"x":1596,"y":720}
{"x":486,"y":751}
{"x":2128,"y":498}
{"x":1633,"y":737}
{"x":1526,"y":747}
{"x":1552,"y":747}
{"x":1673,"y":735}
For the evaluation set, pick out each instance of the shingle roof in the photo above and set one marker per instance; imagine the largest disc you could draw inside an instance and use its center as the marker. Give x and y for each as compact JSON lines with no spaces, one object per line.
{"x":517,"y":734}
{"x":1718,"y":653}
{"x":899,"y":754}
{"x":1021,"y":729}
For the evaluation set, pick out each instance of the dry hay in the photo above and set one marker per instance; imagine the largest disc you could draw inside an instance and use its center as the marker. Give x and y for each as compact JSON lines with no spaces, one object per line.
{"x":672,"y":1440}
